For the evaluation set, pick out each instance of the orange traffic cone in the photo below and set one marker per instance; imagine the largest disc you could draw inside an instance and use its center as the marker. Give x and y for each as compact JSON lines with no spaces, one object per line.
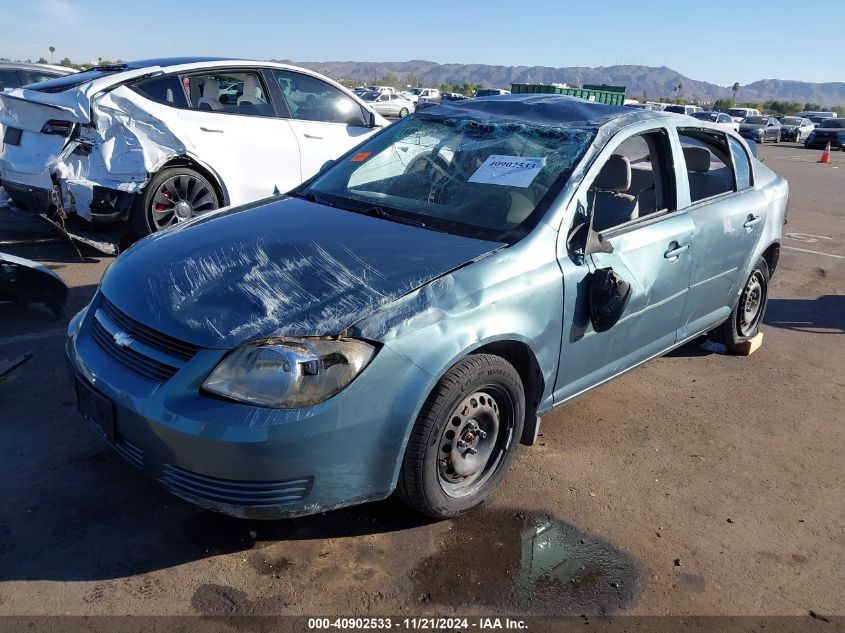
{"x":825,"y":159}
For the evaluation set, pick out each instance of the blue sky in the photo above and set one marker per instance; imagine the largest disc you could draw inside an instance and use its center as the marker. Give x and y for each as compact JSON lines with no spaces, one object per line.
{"x":716,"y":41}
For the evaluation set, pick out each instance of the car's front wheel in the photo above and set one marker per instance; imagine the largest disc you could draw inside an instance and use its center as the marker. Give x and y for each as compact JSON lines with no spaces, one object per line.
{"x":172,"y":195}
{"x":403,"y":113}
{"x":744,"y":321}
{"x":464,"y":438}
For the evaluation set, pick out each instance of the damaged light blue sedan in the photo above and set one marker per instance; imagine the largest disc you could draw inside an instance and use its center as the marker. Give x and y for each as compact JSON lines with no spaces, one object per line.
{"x":401,"y":321}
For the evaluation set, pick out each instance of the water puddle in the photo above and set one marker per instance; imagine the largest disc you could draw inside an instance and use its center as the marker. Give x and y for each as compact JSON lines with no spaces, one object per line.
{"x":528,"y":562}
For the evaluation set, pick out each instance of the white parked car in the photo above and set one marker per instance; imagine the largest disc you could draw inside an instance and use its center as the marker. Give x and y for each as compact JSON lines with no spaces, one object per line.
{"x":388,"y":104}
{"x":383,"y":89}
{"x":16,"y":74}
{"x":683,"y":109}
{"x":738,"y":114}
{"x":156,"y":142}
{"x":719,"y":118}
{"x":415,"y":95}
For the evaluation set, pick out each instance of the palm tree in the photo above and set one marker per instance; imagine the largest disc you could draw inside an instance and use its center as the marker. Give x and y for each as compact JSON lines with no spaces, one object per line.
{"x":52,"y":50}
{"x":735,"y":89}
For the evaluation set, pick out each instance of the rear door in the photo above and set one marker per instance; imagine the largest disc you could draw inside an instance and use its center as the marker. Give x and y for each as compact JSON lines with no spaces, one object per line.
{"x":639,"y":234}
{"x":729,"y":216}
{"x":241,"y":135}
{"x":325,"y":120}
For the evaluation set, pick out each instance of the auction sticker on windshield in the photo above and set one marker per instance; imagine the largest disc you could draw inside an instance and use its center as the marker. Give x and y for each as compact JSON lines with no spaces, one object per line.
{"x":514,"y":171}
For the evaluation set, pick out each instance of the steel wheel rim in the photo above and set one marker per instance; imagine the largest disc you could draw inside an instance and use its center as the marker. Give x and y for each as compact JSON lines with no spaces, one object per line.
{"x":403,"y":113}
{"x":474,"y":441}
{"x":751,"y":303}
{"x":179,"y":198}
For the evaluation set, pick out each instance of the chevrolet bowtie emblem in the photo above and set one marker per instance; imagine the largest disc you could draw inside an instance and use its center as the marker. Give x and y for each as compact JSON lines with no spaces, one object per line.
{"x":122,"y":339}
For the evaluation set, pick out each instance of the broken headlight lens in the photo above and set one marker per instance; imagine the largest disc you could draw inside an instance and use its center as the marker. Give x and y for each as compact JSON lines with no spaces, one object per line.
{"x":287,"y":373}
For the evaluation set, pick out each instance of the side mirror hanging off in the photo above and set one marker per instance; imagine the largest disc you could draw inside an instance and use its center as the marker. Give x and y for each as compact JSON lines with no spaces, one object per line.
{"x":608,"y":295}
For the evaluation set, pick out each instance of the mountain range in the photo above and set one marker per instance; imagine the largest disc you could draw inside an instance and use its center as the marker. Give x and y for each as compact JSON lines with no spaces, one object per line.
{"x":653,"y":82}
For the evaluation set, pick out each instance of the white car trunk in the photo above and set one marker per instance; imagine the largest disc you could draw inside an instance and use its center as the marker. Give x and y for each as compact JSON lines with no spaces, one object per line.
{"x":33,"y":153}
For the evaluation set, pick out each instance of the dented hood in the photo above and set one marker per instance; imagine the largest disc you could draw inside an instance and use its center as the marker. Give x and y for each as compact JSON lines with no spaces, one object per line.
{"x":283,"y":267}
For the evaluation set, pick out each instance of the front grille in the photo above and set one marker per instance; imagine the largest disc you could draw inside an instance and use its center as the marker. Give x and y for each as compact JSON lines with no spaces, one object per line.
{"x":137,"y":363}
{"x":148,"y":336}
{"x":239,"y":493}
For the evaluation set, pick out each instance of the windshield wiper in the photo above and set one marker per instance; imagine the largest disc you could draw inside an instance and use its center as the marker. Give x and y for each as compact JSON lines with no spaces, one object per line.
{"x":380,"y":212}
{"x":311,"y":197}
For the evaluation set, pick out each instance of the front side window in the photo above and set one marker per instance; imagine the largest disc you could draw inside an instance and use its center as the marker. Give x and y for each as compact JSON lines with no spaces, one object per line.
{"x":633,"y":183}
{"x":311,"y":99}
{"x":491,"y":180}
{"x":707,"y":159}
{"x":228,"y":92}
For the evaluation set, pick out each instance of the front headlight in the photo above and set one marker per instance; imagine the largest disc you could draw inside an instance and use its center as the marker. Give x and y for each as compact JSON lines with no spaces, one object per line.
{"x":287,"y":373}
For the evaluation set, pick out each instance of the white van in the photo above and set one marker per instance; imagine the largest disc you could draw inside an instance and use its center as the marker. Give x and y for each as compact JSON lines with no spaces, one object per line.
{"x":738,"y":114}
{"x":683,"y":109}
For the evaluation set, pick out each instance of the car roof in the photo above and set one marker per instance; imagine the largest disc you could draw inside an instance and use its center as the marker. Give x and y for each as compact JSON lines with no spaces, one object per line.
{"x":33,"y":66}
{"x":541,"y":110}
{"x":165,"y":62}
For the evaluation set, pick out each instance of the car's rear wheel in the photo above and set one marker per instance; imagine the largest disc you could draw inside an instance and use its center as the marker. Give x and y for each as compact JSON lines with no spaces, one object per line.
{"x":464,"y":438}
{"x":173,"y":195}
{"x":746,"y":317}
{"x":403,"y":113}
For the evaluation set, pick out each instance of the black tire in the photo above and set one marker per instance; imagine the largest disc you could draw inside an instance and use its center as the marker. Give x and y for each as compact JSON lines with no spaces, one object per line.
{"x":425,"y":483}
{"x":740,"y":327}
{"x":403,"y":113}
{"x":142,"y":220}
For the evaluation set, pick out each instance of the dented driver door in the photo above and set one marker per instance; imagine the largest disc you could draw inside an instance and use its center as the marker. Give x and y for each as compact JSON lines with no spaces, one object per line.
{"x":633,"y":229}
{"x":655,"y":258}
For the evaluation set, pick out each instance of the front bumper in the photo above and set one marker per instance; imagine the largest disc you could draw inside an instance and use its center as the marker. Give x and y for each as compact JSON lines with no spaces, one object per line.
{"x":256,"y":462}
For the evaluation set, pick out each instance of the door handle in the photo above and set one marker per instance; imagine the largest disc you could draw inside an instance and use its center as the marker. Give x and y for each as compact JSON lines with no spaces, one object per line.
{"x":319,"y":138}
{"x":211,"y":129}
{"x":752,"y":220}
{"x":675,"y":251}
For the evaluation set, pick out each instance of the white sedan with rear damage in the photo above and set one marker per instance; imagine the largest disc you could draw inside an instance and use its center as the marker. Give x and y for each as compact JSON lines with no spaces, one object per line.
{"x":156,"y":142}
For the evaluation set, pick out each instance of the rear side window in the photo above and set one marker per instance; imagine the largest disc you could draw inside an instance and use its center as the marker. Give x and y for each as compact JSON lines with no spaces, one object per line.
{"x":742,"y":165}
{"x":9,"y":80}
{"x":166,"y":89}
{"x":708,"y":162}
{"x":225,"y":92}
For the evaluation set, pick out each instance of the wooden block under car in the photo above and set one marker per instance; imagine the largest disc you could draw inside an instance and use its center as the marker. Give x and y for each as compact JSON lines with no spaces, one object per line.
{"x":748,"y":347}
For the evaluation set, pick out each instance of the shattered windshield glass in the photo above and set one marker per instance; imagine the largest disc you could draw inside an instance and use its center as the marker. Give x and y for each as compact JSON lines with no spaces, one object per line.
{"x":491,"y":180}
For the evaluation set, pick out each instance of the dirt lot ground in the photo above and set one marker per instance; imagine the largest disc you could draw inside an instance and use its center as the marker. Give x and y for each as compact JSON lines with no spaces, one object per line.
{"x":697,"y":484}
